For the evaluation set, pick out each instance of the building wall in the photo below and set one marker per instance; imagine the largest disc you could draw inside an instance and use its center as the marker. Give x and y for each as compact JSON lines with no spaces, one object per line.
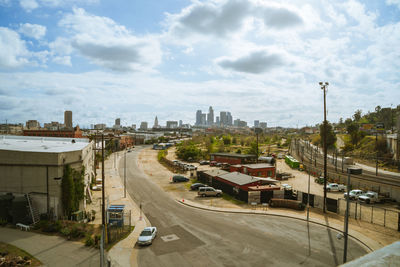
{"x":54,"y":133}
{"x":260,"y":172}
{"x":229,"y":160}
{"x":29,"y":172}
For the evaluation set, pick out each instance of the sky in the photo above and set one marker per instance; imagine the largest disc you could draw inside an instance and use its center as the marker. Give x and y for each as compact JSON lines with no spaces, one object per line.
{"x":134,"y":60}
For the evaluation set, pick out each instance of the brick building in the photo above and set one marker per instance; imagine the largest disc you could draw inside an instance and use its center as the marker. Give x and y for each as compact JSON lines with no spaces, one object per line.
{"x":233,"y":158}
{"x":68,"y":133}
{"x":258,"y":169}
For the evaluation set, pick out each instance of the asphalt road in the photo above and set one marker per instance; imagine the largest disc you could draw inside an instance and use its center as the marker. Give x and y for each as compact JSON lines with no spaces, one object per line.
{"x":193,"y":237}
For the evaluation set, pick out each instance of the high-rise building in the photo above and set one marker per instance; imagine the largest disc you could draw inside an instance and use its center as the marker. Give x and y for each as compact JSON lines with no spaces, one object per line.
{"x":256,"y":123}
{"x":143,"y":126}
{"x":172,"y":124}
{"x":210,"y":116}
{"x":203,"y":120}
{"x":263,"y":125}
{"x":117,"y":122}
{"x":229,"y":118}
{"x":68,"y":119}
{"x":217,"y":122}
{"x":198,"y":117}
{"x":180,"y":123}
{"x":155,"y":123}
{"x":223,"y":119}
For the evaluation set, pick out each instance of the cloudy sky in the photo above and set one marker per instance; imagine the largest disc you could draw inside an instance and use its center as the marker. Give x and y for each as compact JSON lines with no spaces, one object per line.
{"x":137,"y":59}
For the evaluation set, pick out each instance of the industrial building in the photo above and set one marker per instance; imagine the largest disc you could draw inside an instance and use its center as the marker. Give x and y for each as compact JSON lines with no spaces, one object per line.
{"x":33,"y":167}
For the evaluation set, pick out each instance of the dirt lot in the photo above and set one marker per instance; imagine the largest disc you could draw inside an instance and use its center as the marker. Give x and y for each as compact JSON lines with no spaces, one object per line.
{"x":162,"y":176}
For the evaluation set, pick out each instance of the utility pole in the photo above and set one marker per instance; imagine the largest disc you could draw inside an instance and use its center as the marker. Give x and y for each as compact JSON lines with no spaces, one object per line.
{"x":376,"y":145}
{"x":324,"y":88}
{"x":125,"y":175}
{"x":103,"y":210}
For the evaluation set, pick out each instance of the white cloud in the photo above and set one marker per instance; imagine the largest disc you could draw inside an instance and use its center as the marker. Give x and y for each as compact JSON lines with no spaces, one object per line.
{"x":13,"y":52}
{"x":393,"y":2}
{"x":28,"y":5}
{"x":256,"y":62}
{"x":32,"y":30}
{"x":223,"y":19}
{"x":109,"y":44}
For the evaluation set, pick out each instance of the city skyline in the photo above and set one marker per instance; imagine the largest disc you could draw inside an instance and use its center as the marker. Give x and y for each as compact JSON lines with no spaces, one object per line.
{"x":137,"y":60}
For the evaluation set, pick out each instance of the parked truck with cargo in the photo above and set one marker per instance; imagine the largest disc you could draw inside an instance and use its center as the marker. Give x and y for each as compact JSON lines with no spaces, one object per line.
{"x":373,"y":197}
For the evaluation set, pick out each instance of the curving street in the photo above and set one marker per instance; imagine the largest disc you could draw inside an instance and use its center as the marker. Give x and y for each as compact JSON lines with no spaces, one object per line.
{"x":193,"y":237}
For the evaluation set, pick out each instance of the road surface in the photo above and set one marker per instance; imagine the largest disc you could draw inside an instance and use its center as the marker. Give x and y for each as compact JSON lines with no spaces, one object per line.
{"x":192,"y":237}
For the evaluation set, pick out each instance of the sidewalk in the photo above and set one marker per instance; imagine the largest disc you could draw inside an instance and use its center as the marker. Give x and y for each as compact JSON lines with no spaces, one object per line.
{"x":123,"y":253}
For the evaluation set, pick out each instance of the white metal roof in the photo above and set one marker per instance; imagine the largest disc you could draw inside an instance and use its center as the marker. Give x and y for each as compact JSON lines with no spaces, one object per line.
{"x":41,"y":144}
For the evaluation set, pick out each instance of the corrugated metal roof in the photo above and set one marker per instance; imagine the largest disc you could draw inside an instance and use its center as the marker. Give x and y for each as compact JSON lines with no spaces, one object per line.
{"x":258,"y":165}
{"x":215,"y":172}
{"x":239,"y":178}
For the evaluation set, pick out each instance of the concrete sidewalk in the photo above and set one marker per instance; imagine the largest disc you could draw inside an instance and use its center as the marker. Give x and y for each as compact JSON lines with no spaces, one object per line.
{"x":51,"y":250}
{"x":123,"y":253}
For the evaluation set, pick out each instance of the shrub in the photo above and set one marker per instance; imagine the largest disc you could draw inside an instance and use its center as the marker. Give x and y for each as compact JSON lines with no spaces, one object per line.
{"x":77,"y":231}
{"x":65,"y":231}
{"x":89,"y":241}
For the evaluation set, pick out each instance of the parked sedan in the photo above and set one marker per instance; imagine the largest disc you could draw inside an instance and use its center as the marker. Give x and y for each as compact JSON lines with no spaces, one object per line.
{"x":179,"y":178}
{"x":196,"y":186}
{"x":147,"y":236}
{"x":204,"y":162}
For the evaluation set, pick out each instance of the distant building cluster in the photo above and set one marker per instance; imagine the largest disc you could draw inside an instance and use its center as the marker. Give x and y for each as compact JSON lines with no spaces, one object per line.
{"x":224,"y":119}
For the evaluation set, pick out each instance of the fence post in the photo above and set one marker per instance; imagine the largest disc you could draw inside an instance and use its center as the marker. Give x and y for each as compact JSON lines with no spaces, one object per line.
{"x":384,"y":219}
{"x":355,"y":214}
{"x":372,"y":214}
{"x":360,"y":212}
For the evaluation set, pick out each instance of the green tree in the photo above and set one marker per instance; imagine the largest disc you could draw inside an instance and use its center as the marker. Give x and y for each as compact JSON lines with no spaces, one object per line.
{"x":357,"y":115}
{"x":354,"y":132}
{"x":226,"y":139}
{"x":253,"y":149}
{"x":330,"y":136}
{"x":68,"y":189}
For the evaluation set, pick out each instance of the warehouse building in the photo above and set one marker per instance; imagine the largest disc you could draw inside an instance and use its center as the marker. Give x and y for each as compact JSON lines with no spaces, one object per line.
{"x":33,"y":167}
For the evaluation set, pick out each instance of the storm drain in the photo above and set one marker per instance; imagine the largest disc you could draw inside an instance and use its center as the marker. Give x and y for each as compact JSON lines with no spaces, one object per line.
{"x":168,"y":238}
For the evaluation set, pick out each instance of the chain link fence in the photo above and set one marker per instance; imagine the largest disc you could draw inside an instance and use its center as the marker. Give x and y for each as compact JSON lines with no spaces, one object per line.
{"x":381,"y":216}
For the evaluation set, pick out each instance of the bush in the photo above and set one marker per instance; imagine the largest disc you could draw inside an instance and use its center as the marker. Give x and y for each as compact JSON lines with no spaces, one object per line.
{"x":89,"y":241}
{"x":77,"y":231}
{"x":65,"y":231}
{"x":52,"y":227}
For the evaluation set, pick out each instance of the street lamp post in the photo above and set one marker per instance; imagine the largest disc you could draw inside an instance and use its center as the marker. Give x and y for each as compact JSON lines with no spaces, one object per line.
{"x":350,"y":170}
{"x":324,"y":88}
{"x":125,"y":174}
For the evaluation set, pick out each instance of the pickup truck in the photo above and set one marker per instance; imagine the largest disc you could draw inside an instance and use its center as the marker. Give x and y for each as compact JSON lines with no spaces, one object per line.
{"x":354,"y":194}
{"x":335,"y":187}
{"x":373,"y":197}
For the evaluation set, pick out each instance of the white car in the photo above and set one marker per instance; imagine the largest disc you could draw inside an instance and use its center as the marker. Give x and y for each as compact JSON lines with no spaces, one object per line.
{"x":147,"y":236}
{"x":286,"y":187}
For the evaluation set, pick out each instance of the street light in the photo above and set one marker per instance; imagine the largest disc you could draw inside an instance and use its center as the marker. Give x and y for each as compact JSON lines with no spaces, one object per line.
{"x":350,"y":170}
{"x":324,"y":87}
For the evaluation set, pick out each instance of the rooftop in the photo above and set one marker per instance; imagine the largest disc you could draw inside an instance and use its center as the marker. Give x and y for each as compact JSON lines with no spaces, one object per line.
{"x":259,"y":165}
{"x":215,"y":172}
{"x":234,"y":155}
{"x":41,"y":144}
{"x":238,"y":178}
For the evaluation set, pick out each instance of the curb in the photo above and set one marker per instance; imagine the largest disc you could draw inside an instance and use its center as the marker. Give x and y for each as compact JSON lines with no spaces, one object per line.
{"x":272,"y":214}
